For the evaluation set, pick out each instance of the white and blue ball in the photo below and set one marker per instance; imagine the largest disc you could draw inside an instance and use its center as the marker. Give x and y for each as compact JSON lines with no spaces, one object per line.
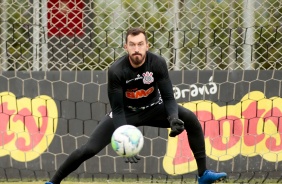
{"x":127,"y":141}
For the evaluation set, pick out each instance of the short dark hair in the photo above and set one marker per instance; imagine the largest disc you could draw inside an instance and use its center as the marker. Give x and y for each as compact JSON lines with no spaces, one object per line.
{"x":135,"y":31}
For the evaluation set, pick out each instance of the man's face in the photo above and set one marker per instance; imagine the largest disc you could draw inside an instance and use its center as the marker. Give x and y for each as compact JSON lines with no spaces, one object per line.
{"x":136,"y":47}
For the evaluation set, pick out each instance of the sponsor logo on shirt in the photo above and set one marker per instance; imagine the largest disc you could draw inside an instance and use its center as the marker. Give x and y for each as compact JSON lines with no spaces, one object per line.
{"x":136,"y":94}
{"x":135,"y":79}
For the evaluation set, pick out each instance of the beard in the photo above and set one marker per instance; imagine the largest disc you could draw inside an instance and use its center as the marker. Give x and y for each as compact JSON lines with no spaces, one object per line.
{"x":137,"y":58}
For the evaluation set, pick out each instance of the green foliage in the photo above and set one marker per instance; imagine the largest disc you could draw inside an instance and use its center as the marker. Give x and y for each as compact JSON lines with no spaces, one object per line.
{"x":220,"y":23}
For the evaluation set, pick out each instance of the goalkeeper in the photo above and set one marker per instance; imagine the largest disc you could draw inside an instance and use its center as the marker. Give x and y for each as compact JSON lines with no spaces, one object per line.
{"x":140,"y":94}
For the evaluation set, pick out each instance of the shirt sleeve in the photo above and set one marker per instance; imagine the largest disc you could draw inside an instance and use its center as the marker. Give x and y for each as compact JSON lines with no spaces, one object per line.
{"x":115,"y":95}
{"x":166,"y":90}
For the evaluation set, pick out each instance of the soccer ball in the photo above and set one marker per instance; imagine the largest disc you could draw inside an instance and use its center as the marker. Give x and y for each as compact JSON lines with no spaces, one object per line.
{"x":127,"y":141}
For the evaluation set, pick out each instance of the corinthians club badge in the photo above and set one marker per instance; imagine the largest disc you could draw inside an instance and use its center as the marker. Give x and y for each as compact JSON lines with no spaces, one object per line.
{"x":148,"y":77}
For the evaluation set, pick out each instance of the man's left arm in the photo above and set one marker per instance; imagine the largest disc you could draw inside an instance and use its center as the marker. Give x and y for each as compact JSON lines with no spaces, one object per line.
{"x":171,"y":107}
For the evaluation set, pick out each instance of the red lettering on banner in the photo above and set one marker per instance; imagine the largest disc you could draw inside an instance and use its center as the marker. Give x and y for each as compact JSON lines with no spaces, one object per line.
{"x":65,"y":17}
{"x":183,"y":153}
{"x":4,"y":125}
{"x":36,"y":132}
{"x":251,"y":127}
{"x":271,"y":142}
{"x":139,"y":93}
{"x":214,"y":130}
{"x":27,"y":125}
{"x":251,"y":117}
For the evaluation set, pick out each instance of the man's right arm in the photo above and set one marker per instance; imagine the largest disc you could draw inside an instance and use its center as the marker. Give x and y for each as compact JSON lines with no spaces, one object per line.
{"x":115,"y":95}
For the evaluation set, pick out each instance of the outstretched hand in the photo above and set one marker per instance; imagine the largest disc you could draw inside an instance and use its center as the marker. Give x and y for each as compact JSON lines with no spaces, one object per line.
{"x":133,"y":159}
{"x":177,"y":127}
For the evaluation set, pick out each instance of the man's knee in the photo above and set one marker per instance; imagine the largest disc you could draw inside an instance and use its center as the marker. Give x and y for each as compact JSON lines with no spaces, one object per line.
{"x":87,"y":151}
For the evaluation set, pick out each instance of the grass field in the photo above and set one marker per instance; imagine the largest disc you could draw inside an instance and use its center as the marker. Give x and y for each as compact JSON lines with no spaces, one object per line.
{"x":132,"y":182}
{"x":110,"y":182}
{"x":37,"y":182}
{"x":143,"y":181}
{"x":129,"y":182}
{"x":104,"y":181}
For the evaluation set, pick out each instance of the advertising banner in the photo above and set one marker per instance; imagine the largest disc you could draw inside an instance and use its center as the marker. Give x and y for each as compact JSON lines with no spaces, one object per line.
{"x":47,"y":115}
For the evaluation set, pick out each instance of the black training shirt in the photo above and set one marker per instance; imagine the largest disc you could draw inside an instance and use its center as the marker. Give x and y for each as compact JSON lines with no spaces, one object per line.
{"x":136,"y":89}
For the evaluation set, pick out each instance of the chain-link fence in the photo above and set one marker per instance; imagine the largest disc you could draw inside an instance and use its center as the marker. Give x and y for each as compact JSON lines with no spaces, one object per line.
{"x":76,"y":35}
{"x":190,"y":34}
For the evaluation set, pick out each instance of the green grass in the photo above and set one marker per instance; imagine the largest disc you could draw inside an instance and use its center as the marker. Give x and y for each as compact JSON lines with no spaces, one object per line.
{"x":110,"y":182}
{"x":113,"y":180}
{"x":98,"y":182}
{"x":131,"y":181}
